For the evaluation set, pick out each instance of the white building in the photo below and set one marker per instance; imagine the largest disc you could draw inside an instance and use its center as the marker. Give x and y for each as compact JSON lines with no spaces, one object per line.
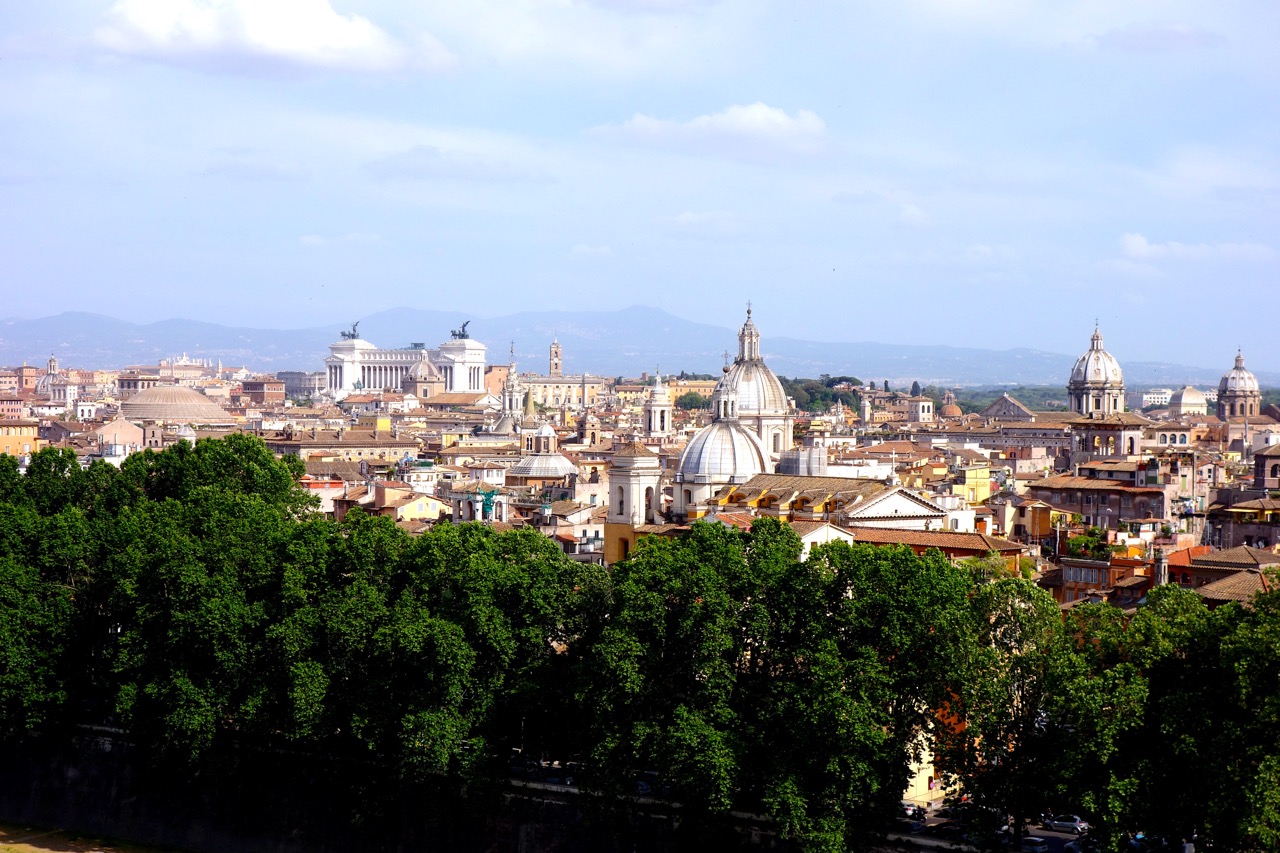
{"x":355,"y":364}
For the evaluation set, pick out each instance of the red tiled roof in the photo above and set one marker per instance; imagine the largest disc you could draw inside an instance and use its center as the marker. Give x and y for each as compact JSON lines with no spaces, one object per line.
{"x":941,"y":539}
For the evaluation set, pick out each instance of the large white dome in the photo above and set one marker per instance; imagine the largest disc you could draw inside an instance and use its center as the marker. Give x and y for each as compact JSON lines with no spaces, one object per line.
{"x":1238,"y":380}
{"x":173,"y":404}
{"x":723,"y":452}
{"x":759,"y":391}
{"x":1096,"y":366}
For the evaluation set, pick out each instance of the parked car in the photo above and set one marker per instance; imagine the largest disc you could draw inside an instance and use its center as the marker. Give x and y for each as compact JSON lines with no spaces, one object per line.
{"x":1066,"y":823}
{"x":1083,"y":844}
{"x":1034,"y":844}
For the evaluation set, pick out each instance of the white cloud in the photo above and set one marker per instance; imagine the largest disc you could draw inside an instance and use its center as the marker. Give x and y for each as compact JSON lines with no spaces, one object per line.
{"x":1200,"y":171}
{"x":706,"y":224}
{"x":651,"y":5}
{"x":1138,"y":247}
{"x":253,"y":167}
{"x":428,"y":162}
{"x":908,"y":212}
{"x":311,"y":240}
{"x":982,"y":253}
{"x":753,"y":127}
{"x":245,"y":33}
{"x":584,"y":251}
{"x":666,"y":37}
{"x":1151,"y":38}
{"x":1131,"y":269}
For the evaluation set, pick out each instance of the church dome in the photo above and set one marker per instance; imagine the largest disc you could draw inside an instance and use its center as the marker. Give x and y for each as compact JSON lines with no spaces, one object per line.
{"x":542,"y":466}
{"x":424,"y":370}
{"x":1187,"y":397}
{"x":1096,"y":366}
{"x":723,"y":452}
{"x":951,"y":410}
{"x":175,"y":404}
{"x":1238,"y":380}
{"x":758,"y":389}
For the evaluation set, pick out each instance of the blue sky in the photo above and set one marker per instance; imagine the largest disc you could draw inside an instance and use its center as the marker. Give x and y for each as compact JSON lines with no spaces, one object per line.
{"x":977,"y":172}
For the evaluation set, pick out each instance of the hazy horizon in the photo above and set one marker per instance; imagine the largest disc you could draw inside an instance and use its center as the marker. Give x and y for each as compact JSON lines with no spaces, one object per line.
{"x":979,"y":173}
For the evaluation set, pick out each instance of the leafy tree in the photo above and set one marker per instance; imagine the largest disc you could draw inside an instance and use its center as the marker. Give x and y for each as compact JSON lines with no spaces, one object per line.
{"x":915,"y":389}
{"x":990,"y":566}
{"x":745,"y":675}
{"x":1092,"y":545}
{"x":1003,"y":745}
{"x":692,"y":400}
{"x":35,"y":615}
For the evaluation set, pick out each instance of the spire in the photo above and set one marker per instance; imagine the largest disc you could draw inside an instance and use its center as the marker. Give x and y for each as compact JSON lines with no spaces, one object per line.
{"x":749,"y":339}
{"x":1096,"y":341}
{"x":1239,"y":358}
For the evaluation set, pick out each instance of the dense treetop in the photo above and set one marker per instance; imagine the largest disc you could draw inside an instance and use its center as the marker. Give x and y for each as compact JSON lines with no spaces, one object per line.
{"x":196,"y":600}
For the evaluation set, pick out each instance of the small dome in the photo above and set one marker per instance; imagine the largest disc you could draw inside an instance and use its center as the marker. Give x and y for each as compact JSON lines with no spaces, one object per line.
{"x":659,"y":395}
{"x":543,"y":466}
{"x":951,"y":410}
{"x":1096,"y":366}
{"x":424,"y":370}
{"x":175,"y":404}
{"x":1186,"y":396}
{"x":1238,"y":380}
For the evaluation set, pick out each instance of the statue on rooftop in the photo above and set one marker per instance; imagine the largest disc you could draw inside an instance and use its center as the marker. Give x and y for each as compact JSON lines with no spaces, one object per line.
{"x":354,"y":334}
{"x":461,"y":334}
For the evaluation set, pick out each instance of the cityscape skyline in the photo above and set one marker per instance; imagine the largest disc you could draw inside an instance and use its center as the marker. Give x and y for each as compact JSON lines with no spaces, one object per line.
{"x":1011,"y":172}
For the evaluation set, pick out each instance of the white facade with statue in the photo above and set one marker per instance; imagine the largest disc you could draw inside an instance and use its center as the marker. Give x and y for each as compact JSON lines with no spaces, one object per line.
{"x":355,"y":364}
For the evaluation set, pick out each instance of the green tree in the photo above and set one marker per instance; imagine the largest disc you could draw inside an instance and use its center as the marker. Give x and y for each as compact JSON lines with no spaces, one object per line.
{"x":692,"y":400}
{"x":747,"y":676}
{"x":35,"y":614}
{"x":1004,"y":745}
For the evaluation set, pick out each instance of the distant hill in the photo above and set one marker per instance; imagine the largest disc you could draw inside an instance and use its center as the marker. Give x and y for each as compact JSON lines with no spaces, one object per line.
{"x":611,"y":343}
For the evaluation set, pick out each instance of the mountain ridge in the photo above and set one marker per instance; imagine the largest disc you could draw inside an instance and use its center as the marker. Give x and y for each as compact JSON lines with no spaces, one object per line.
{"x":621,"y":342}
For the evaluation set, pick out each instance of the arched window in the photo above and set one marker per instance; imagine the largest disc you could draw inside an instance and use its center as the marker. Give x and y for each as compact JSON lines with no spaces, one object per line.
{"x":1275,"y":470}
{"x":648,"y":505}
{"x":1164,"y":439}
{"x":1182,"y":439}
{"x":622,"y":495}
{"x":688,"y":498}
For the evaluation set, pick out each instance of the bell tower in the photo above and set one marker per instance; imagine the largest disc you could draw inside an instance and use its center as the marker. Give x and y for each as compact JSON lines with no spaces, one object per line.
{"x":557,"y":361}
{"x":634,"y":498}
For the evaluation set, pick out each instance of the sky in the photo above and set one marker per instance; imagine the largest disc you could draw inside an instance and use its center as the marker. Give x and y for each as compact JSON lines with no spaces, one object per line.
{"x":993,"y":173}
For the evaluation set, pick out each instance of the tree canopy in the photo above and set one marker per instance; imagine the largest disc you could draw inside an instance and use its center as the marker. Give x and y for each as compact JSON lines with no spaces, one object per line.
{"x":195,"y":599}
